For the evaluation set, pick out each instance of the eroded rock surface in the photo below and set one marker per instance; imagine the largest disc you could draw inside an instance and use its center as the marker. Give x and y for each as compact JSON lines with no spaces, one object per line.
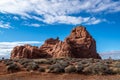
{"x":27,"y":51}
{"x":79,"y":44}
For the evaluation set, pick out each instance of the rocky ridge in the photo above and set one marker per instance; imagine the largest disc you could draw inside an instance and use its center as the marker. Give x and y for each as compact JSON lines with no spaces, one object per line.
{"x":79,"y":44}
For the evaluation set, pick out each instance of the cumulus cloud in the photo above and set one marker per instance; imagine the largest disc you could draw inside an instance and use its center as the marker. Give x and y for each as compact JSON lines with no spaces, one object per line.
{"x":111,"y":54}
{"x":71,"y":20}
{"x":6,"y":47}
{"x":58,"y":11}
{"x":4,"y":25}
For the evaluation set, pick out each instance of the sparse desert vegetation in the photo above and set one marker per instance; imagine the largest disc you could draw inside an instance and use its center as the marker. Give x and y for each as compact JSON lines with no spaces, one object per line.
{"x":64,"y":65}
{"x":59,"y":67}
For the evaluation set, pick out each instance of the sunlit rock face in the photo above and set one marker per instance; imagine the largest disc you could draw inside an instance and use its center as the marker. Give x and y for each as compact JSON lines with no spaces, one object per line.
{"x":27,"y":51}
{"x":79,"y":44}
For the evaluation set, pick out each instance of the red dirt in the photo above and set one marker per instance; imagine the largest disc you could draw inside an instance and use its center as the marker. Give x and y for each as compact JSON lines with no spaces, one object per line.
{"x":51,"y":76}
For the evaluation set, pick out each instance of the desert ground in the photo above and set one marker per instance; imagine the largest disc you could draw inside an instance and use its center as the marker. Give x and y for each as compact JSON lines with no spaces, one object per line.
{"x":51,"y":76}
{"x":37,"y":74}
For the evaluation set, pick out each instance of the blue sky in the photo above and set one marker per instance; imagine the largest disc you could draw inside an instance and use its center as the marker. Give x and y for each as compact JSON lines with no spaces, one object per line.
{"x":33,"y":21}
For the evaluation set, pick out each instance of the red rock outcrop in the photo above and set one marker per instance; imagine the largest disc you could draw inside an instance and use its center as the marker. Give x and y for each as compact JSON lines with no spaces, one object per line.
{"x":27,"y":51}
{"x":79,"y":44}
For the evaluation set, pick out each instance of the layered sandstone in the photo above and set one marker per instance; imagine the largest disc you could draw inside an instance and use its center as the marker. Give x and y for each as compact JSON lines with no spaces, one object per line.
{"x":79,"y":44}
{"x":27,"y":51}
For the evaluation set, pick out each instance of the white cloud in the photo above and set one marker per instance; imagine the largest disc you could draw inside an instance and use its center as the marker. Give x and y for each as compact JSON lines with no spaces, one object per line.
{"x":35,"y":25}
{"x":32,"y":24}
{"x":106,"y":5}
{"x":71,"y":20}
{"x":93,"y":20}
{"x":112,"y":54}
{"x":15,"y":18}
{"x":6,"y":47}
{"x":4,"y":25}
{"x":58,"y":11}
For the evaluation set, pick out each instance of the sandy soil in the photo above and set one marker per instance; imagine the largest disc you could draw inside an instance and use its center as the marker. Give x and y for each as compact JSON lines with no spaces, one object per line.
{"x":51,"y":76}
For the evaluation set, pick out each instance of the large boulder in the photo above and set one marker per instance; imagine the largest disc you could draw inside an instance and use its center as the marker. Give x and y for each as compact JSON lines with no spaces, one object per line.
{"x":79,"y":44}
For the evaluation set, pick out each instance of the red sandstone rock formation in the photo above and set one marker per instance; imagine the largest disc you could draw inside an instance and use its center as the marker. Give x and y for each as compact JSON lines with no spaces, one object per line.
{"x":27,"y":51}
{"x":79,"y":44}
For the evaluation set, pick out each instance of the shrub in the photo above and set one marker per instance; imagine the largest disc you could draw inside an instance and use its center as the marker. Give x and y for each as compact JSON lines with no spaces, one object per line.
{"x":12,"y":68}
{"x":116,"y":64}
{"x":55,"y":68}
{"x":64,"y":63}
{"x":9,"y":62}
{"x":100,"y":68}
{"x":41,"y":69}
{"x":25,"y":65}
{"x":42,"y":61}
{"x":97,"y":68}
{"x":115,"y":70}
{"x":79,"y":67}
{"x":16,"y":60}
{"x":84,"y":61}
{"x":70,"y":69}
{"x":23,"y":61}
{"x":32,"y":66}
{"x":108,"y":61}
{"x":87,"y":70}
